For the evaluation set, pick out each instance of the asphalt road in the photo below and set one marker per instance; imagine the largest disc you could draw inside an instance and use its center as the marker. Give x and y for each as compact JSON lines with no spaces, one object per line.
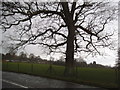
{"x":17,"y":80}
{"x":9,"y":85}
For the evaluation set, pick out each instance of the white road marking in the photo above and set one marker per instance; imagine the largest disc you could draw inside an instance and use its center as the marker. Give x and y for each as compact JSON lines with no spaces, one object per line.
{"x":14,"y":83}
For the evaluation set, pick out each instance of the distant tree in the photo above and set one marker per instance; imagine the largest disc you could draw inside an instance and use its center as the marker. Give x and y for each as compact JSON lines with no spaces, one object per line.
{"x":94,"y":62}
{"x":2,"y":56}
{"x":90,"y":65}
{"x":11,"y":52}
{"x":37,"y":59}
{"x":83,"y":64}
{"x":62,"y":58}
{"x":22,"y":56}
{"x":59,"y":62}
{"x":8,"y":56}
{"x":31,"y":57}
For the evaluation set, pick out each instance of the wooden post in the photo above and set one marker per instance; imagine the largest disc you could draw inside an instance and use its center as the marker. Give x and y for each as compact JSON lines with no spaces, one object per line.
{"x":18,"y":67}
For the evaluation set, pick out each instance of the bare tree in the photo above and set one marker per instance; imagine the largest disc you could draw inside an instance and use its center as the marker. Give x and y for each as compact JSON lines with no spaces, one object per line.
{"x":69,"y":27}
{"x":31,"y":57}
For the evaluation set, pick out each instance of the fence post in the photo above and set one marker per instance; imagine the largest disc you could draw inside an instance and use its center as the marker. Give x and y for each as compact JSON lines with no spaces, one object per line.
{"x":18,"y":66}
{"x":31,"y":68}
{"x":7,"y":66}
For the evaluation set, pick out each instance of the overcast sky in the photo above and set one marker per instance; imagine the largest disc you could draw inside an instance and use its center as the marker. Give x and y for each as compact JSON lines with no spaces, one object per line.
{"x":109,"y":58}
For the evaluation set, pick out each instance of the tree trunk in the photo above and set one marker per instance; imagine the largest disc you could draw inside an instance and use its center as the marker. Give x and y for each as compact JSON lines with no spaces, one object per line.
{"x":69,"y":63}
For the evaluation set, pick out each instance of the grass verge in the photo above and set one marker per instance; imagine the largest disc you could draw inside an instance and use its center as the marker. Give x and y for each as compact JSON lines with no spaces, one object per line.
{"x":100,"y":77}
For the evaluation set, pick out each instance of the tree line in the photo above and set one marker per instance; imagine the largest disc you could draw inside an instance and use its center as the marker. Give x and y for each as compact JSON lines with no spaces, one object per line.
{"x":22,"y":57}
{"x":31,"y":58}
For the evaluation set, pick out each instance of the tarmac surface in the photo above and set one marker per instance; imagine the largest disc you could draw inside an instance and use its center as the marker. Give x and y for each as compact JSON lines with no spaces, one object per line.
{"x":18,"y":80}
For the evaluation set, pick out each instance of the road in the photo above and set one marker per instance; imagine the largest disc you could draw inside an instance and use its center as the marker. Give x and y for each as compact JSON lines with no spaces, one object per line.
{"x":17,"y":80}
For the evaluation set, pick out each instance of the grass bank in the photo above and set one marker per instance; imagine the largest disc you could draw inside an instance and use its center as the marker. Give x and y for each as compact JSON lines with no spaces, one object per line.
{"x":101,"y":77}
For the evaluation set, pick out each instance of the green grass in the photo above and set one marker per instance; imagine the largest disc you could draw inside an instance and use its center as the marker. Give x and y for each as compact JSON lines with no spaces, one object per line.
{"x":102,"y":77}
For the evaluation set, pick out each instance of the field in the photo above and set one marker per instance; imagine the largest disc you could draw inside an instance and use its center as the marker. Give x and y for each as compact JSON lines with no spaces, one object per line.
{"x":102,"y":77}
